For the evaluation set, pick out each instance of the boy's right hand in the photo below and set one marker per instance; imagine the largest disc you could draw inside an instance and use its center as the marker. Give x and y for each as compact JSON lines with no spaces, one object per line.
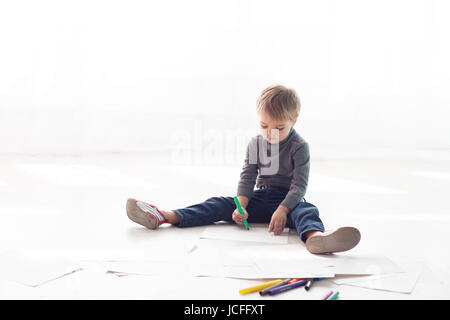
{"x":238,"y":217}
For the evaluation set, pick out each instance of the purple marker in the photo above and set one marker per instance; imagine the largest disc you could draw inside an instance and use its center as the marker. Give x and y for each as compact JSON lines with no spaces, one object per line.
{"x":328,"y":295}
{"x":287,"y":287}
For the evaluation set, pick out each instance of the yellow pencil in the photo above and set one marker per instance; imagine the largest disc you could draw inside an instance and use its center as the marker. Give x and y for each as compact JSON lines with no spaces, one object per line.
{"x":259,"y":287}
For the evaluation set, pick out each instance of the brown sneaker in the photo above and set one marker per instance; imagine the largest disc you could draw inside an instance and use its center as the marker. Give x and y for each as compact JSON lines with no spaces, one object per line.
{"x":341,"y":239}
{"x":144,"y":213}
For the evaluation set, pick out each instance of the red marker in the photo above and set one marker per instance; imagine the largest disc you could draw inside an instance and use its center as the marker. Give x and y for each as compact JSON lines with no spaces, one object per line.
{"x":295,"y":280}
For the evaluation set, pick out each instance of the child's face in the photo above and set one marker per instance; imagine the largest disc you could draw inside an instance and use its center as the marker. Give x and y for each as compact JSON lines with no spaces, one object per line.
{"x":274,"y":131}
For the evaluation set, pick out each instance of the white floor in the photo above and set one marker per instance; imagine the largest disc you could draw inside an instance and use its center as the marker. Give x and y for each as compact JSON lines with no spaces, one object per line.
{"x":74,"y":208}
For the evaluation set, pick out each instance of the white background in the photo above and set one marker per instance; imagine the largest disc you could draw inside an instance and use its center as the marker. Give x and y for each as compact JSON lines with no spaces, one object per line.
{"x":101,"y":101}
{"x":128,"y":76}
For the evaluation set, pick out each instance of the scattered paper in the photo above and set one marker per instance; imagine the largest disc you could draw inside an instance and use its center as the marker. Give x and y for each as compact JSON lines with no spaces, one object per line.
{"x":288,"y":261}
{"x":143,"y":267}
{"x":291,"y":259}
{"x":403,"y":282}
{"x":250,"y":261}
{"x":34,"y":272}
{"x":237,"y":232}
{"x":215,"y":259}
{"x":359,"y":264}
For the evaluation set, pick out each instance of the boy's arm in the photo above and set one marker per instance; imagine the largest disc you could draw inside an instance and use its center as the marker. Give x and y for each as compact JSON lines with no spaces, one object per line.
{"x":299,"y":180}
{"x":243,"y":200}
{"x":247,"y":180}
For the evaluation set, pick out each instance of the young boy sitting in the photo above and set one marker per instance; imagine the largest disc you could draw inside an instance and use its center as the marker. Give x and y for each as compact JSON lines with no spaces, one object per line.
{"x":278,"y":161}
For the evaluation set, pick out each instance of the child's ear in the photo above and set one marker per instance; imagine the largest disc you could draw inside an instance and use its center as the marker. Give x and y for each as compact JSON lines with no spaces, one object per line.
{"x":295,"y":120}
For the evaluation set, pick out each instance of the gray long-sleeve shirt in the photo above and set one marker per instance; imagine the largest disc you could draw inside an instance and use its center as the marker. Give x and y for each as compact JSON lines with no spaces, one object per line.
{"x":285,"y":164}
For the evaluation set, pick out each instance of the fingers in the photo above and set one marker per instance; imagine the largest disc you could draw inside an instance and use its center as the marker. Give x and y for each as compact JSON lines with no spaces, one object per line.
{"x":238,"y":217}
{"x":245,"y":216}
{"x":277,"y":230}
{"x":280,"y":226}
{"x":238,"y":221}
{"x":277,"y":226}
{"x":271,"y":226}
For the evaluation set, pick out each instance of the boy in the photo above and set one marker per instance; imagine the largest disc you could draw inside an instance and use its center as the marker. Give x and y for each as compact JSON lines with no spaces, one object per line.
{"x":278,"y":162}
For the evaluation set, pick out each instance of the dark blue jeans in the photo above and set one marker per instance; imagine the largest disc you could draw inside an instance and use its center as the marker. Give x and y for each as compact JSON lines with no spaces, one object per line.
{"x":304,"y":217}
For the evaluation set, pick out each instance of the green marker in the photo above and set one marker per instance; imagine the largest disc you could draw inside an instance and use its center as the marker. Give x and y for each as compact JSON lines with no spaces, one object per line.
{"x":334,"y":296}
{"x":238,"y":205}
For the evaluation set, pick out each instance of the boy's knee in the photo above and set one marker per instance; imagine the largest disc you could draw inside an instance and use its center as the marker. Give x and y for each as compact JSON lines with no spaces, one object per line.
{"x":304,"y":208}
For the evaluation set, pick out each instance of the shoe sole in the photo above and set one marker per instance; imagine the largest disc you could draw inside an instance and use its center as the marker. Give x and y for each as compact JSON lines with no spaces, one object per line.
{"x":137,"y":215}
{"x":340,"y":240}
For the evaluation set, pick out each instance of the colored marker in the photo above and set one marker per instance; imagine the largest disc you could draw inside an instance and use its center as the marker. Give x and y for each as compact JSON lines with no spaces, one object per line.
{"x":318,"y":279}
{"x":295,"y":280}
{"x":327,"y":295}
{"x":287,"y":287}
{"x":266,"y":290}
{"x":238,"y":205}
{"x":259,"y":287}
{"x":334,"y":296}
{"x":308,"y":285}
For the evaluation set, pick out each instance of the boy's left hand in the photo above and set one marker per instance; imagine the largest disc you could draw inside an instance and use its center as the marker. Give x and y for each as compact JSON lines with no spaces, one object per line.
{"x":278,"y":221}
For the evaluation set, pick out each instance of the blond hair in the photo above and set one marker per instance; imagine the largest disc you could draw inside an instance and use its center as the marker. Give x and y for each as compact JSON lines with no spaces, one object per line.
{"x":279,"y":102}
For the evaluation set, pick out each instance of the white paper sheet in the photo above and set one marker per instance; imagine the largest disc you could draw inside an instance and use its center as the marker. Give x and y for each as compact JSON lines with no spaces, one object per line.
{"x":291,"y":259}
{"x":403,"y":282}
{"x":213,"y":258}
{"x":217,"y":259}
{"x":34,"y":272}
{"x":237,"y":232}
{"x":254,"y":261}
{"x":358,"y":263}
{"x":251,"y":272}
{"x":225,"y":271}
{"x":144,"y":267}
